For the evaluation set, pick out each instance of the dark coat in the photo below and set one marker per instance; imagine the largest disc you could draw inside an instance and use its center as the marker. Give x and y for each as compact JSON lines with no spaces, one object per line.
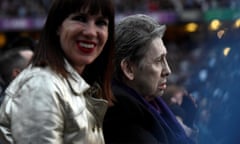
{"x":134,"y":121}
{"x":129,"y":122}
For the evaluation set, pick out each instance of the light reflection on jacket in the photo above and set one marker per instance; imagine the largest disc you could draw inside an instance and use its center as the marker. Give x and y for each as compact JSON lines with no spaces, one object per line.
{"x":44,"y":108}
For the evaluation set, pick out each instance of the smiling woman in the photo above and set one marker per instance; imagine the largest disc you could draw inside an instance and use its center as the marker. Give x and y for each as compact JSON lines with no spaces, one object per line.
{"x":60,"y":98}
{"x":83,"y":37}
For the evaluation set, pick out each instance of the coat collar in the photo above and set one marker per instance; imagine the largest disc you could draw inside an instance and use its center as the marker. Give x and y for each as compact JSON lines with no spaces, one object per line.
{"x":76,"y":82}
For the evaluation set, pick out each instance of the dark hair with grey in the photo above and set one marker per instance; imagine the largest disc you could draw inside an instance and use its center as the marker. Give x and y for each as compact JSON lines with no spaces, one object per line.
{"x":10,"y":60}
{"x":133,"y":35}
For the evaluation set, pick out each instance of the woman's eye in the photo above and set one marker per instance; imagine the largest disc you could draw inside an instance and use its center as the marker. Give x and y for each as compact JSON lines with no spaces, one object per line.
{"x":79,"y":18}
{"x":102,"y":22}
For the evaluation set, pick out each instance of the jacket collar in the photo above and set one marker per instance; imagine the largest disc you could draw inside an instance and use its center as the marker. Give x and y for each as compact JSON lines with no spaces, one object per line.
{"x":76,"y":82}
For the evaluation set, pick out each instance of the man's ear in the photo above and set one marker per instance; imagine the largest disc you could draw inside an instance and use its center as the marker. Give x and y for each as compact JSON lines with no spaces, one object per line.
{"x":127,"y":69}
{"x":15,"y":72}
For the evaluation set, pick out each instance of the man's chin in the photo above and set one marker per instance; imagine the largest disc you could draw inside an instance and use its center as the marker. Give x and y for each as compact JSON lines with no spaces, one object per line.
{"x":160,"y":93}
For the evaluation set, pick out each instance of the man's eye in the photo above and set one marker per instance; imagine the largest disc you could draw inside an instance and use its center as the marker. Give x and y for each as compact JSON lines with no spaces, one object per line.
{"x":159,"y":60}
{"x":79,"y":18}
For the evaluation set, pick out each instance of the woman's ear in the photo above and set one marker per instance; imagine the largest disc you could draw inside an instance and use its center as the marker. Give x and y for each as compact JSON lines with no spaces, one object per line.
{"x":127,"y":69}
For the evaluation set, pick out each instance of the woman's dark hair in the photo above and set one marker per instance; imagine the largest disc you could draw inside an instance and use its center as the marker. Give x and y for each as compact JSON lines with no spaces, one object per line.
{"x":48,"y":51}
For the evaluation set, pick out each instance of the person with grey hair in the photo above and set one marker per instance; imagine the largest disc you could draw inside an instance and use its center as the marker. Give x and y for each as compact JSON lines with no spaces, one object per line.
{"x":139,"y":114}
{"x":12,"y":62}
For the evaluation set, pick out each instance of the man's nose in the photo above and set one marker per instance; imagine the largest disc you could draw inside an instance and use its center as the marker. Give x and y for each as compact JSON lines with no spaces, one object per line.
{"x":166,"y":69}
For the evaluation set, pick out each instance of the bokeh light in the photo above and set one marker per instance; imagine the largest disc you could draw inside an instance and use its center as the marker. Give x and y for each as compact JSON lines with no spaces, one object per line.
{"x":3,"y":40}
{"x":226,"y":51}
{"x":215,"y":24}
{"x":191,"y":27}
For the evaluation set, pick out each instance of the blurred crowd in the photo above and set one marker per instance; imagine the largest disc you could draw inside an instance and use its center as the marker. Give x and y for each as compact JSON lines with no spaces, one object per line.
{"x":210,"y":71}
{"x":25,"y":8}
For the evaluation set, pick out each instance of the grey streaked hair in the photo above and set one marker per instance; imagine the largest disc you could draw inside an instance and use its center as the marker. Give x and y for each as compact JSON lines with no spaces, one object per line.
{"x":133,"y":36}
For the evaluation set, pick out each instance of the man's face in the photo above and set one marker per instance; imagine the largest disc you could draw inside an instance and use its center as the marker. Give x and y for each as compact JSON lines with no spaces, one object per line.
{"x":151,"y":76}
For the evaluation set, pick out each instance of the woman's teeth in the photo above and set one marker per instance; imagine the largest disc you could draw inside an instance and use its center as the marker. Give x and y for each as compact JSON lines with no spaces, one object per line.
{"x":87,"y":45}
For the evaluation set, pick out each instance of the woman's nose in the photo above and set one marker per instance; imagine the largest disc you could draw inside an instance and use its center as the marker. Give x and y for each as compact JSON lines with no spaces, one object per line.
{"x":90,"y":30}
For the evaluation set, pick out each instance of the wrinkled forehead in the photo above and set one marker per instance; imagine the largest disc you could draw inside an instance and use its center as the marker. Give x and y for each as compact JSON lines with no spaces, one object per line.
{"x":156,"y":49}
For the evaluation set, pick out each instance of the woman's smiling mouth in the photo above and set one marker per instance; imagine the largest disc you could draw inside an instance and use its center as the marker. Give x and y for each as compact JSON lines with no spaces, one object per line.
{"x":86,"y":47}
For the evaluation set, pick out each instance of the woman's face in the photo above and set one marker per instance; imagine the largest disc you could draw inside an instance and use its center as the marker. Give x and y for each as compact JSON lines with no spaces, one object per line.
{"x":82,"y":38}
